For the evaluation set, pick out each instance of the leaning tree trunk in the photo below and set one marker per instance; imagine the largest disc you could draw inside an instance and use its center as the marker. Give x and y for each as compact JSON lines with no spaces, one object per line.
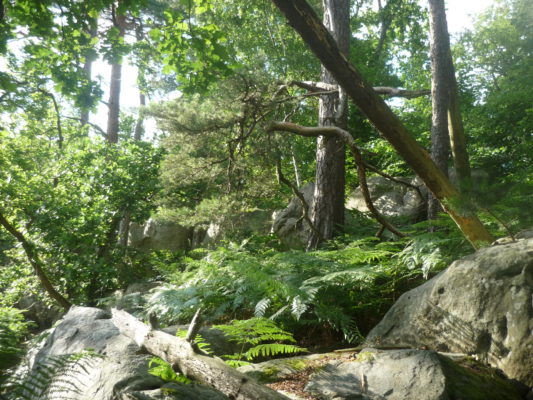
{"x":328,"y":207}
{"x":115,"y":85}
{"x":36,"y":263}
{"x":304,"y":20}
{"x":440,"y":94}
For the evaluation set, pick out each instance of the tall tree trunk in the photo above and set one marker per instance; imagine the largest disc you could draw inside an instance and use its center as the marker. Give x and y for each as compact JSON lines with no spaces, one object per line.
{"x":304,"y":20}
{"x":328,"y":206}
{"x":141,"y":83}
{"x":440,"y":94}
{"x":139,"y":124}
{"x":115,"y":85}
{"x":447,"y":113}
{"x":87,"y":68}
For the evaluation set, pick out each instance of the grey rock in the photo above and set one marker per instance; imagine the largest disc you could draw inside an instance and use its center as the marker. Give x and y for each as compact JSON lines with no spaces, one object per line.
{"x":480,"y":305}
{"x":405,"y":374}
{"x":159,"y":235}
{"x":42,"y":314}
{"x":288,"y":224}
{"x":391,"y":199}
{"x":121,"y":370}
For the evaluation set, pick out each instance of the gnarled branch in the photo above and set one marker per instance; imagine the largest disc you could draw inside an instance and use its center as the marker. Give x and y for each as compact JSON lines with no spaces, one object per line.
{"x":360,"y":164}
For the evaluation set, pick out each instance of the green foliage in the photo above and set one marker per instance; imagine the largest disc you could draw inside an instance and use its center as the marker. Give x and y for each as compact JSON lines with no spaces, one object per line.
{"x":163,"y":369}
{"x":70,"y":201}
{"x":52,"y":376}
{"x":345,"y":287}
{"x":13,"y":330}
{"x":199,"y":341}
{"x":255,"y":332}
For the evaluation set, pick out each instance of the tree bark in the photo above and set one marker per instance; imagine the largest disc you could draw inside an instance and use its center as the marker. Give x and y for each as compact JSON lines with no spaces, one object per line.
{"x":440,"y":94}
{"x":304,"y":20}
{"x":179,"y":353}
{"x":328,"y":207}
{"x":36,"y":263}
{"x":115,"y":86}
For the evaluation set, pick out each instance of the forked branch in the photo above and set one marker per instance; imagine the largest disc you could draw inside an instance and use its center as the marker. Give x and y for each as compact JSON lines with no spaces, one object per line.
{"x":333,"y":131}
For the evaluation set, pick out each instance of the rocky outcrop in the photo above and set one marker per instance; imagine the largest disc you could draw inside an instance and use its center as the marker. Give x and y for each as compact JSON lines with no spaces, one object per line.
{"x":407,"y":374}
{"x":480,"y":305}
{"x":288,"y":224}
{"x":159,"y":235}
{"x":391,"y":199}
{"x":394,"y":374}
{"x":120,"y":371}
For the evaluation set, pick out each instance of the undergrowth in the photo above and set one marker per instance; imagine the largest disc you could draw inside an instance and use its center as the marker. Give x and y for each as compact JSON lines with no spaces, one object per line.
{"x":345,"y":287}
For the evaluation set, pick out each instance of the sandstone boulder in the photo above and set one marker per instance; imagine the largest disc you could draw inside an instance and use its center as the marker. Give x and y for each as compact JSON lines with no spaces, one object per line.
{"x":159,"y":235}
{"x":119,"y":372}
{"x":288,"y":224}
{"x":407,"y":374}
{"x":480,"y":305}
{"x":391,"y":199}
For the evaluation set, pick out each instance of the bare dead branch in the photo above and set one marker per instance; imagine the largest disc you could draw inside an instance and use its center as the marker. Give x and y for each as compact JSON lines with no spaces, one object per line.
{"x":314,"y":87}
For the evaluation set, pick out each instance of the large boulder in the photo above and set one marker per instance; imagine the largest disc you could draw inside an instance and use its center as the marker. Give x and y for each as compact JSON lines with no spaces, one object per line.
{"x":120,"y":371}
{"x":159,"y":235}
{"x":407,"y":374}
{"x":480,"y":305}
{"x":390,"y":198}
{"x":288,"y":224}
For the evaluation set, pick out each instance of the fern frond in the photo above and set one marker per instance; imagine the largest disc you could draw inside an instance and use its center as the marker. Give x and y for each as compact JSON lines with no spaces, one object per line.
{"x":272,"y":349}
{"x":54,"y":374}
{"x":261,"y":307}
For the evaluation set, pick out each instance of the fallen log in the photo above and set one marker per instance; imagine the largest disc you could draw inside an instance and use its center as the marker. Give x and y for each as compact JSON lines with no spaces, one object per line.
{"x":181,"y":355}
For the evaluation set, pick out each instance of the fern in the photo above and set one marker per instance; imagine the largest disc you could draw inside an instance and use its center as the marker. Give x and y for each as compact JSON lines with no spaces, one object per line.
{"x":254,"y":332}
{"x":13,"y":329}
{"x":199,"y":341}
{"x":163,"y":369}
{"x":53,"y":376}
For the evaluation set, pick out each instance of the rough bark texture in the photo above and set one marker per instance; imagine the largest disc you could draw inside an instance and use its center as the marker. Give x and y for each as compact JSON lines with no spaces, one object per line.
{"x":115,"y":86}
{"x":328,"y":206}
{"x":304,"y":20}
{"x":36,"y":263}
{"x":440,"y":94}
{"x":178,"y":352}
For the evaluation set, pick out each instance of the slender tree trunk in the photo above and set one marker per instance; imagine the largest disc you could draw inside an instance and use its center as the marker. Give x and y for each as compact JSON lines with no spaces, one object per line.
{"x":141,"y":83}
{"x":457,"y":134}
{"x":87,"y":68}
{"x":115,"y":86}
{"x":304,"y":20}
{"x":447,"y":120}
{"x":440,"y":94}
{"x":36,"y":263}
{"x":139,"y":124}
{"x":328,"y":206}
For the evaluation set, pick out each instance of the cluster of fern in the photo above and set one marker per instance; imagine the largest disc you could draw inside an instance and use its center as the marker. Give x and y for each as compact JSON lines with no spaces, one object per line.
{"x":346,"y":287}
{"x":13,"y":330}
